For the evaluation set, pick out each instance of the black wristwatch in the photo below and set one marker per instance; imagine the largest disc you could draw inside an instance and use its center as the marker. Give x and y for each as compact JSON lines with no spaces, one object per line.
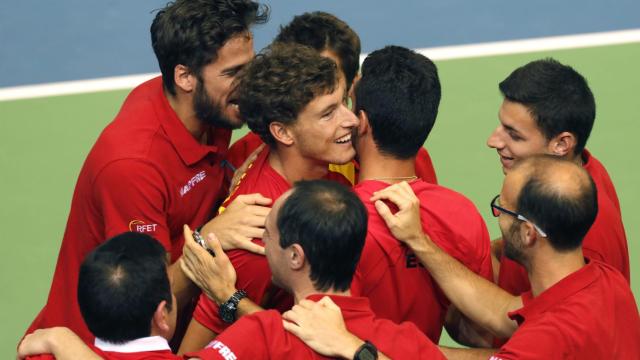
{"x":228,"y":309}
{"x":366,"y":352}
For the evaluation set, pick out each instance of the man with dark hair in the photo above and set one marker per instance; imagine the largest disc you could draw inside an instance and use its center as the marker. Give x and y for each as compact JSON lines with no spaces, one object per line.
{"x":548,"y":108}
{"x":332,"y":38}
{"x":545,"y":207}
{"x":124,"y":294}
{"x":313,"y":239}
{"x":397,"y":102}
{"x":122,"y":286}
{"x":157,"y":165}
{"x":314,"y":260}
{"x":293,"y":98}
{"x":328,"y":35}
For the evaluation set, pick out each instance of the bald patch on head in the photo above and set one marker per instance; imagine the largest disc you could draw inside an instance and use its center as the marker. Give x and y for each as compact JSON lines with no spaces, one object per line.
{"x":557,"y":195}
{"x":559,"y":176}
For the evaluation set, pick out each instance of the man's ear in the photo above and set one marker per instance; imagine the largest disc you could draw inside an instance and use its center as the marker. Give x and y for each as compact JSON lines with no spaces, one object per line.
{"x":529,"y":234}
{"x":563,"y":144}
{"x":296,"y":257}
{"x":160,"y":320}
{"x":184,"y":78}
{"x":363,"y":127}
{"x":281,"y":133}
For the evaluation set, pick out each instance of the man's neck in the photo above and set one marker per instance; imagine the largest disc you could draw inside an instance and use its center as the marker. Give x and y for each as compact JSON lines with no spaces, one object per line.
{"x":548,"y":269}
{"x":576,"y":159}
{"x":288,"y":162}
{"x":376,"y":166}
{"x":301,"y":294}
{"x":183,"y":107}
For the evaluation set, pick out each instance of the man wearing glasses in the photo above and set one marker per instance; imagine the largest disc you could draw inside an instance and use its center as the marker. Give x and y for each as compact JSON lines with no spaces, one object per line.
{"x":548,"y":108}
{"x":544,"y":210}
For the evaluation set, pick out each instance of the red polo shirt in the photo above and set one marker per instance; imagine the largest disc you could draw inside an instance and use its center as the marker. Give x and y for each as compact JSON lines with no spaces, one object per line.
{"x":253,"y":273}
{"x":241,"y":149}
{"x":145,"y":173}
{"x":262,"y":336}
{"x":391,"y":276}
{"x":606,"y":240}
{"x":590,"y":314}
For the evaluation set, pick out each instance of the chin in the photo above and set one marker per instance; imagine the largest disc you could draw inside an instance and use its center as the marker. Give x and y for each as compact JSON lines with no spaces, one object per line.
{"x":345,"y":158}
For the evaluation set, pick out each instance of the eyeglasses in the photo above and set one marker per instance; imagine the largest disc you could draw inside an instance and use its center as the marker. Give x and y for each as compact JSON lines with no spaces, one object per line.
{"x":497,"y":209}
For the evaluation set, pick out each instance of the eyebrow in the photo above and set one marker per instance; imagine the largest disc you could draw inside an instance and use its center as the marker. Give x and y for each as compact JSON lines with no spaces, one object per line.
{"x":328,"y":108}
{"x":235,"y":68}
{"x":511,"y":128}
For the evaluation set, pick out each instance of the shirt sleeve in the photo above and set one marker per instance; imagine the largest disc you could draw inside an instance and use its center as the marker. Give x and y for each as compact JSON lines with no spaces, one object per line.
{"x":245,"y":339}
{"x":253,"y":276}
{"x":132,"y":195}
{"x":538,"y":341}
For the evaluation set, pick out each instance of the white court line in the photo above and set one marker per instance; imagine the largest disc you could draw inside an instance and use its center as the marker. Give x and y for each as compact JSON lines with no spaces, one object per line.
{"x":435,"y":53}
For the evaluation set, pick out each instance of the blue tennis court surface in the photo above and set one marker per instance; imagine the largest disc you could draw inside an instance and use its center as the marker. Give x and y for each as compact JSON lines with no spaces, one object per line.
{"x":57,"y":41}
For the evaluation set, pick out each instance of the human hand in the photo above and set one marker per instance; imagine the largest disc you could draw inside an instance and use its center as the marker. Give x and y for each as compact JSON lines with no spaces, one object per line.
{"x":242,"y":221}
{"x":405,"y":225}
{"x":321,"y":326}
{"x":214,"y":275}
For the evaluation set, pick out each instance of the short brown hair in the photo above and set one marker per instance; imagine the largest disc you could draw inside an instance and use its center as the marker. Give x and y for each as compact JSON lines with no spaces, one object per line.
{"x":280,"y":82}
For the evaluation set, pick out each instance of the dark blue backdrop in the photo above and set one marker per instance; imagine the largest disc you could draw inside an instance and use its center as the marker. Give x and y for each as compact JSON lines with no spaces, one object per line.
{"x":46,"y":41}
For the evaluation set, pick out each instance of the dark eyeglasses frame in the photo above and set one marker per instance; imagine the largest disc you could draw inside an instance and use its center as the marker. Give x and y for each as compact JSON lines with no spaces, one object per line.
{"x":500,"y":209}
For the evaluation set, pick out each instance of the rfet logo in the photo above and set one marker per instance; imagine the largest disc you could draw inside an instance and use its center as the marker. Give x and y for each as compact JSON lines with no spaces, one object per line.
{"x":141,"y":227}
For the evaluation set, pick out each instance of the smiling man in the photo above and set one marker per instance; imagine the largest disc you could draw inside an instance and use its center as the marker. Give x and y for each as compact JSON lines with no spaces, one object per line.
{"x":548,"y":108}
{"x":294,"y":99}
{"x":544,"y":209}
{"x":157,"y":165}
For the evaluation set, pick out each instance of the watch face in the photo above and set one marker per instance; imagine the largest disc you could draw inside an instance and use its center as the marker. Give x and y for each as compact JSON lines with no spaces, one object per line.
{"x":228,"y":312}
{"x":366,"y":354}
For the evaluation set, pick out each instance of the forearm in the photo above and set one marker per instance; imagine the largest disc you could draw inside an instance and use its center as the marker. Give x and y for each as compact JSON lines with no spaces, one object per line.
{"x":59,"y":341}
{"x":246,"y":307}
{"x":467,"y":354}
{"x":76,"y":349}
{"x":465,"y":332}
{"x":479,"y":299}
{"x":181,"y":286}
{"x":347,"y":345}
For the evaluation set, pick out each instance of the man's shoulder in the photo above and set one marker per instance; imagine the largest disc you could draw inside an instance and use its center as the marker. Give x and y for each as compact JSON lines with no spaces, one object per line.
{"x":402,"y":341}
{"x":261,"y":178}
{"x":258,"y":335}
{"x":441,"y":197}
{"x":135,"y":126}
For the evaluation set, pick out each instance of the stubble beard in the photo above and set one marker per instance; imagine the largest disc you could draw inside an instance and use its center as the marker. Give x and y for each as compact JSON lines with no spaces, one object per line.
{"x":210,"y":112}
{"x":512,"y":245}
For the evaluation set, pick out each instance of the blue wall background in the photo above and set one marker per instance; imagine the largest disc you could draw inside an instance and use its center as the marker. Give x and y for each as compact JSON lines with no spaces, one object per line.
{"x":48,"y":41}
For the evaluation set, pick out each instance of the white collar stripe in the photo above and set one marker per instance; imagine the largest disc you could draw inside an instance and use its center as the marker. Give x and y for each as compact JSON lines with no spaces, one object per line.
{"x":151,"y":343}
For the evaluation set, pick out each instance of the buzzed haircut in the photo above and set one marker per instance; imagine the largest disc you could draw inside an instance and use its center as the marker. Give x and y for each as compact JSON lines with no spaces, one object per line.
{"x":280,"y":82}
{"x":324,"y":31}
{"x":190,"y":32}
{"x":565,"y":211}
{"x":400,"y":93}
{"x":120,"y":285}
{"x":330,"y":223}
{"x":557,"y":96}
